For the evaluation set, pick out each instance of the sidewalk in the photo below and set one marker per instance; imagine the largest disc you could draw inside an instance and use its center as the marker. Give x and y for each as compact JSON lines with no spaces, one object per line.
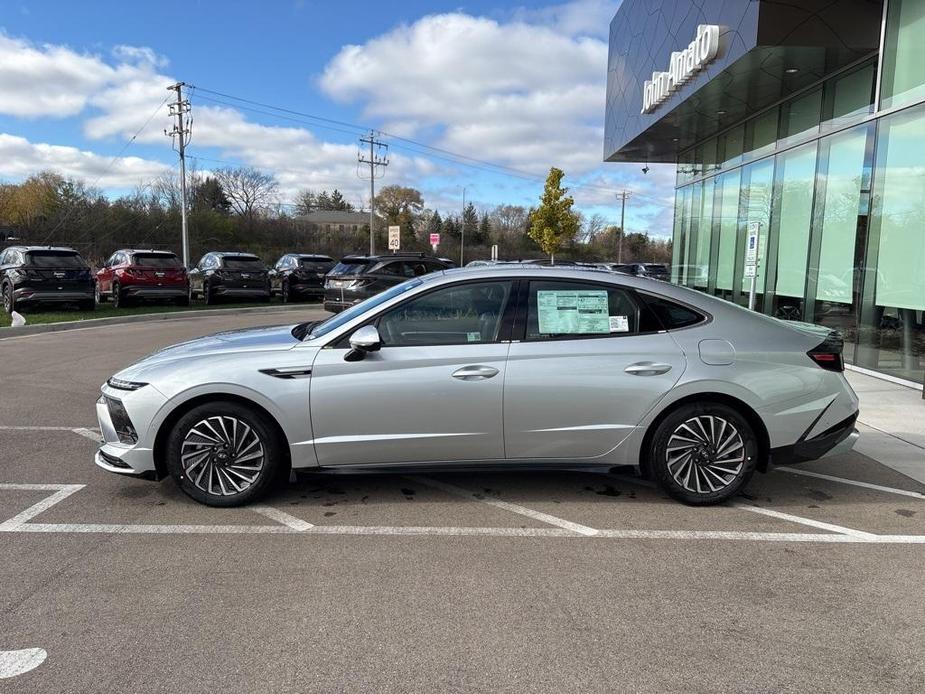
{"x":892,"y":424}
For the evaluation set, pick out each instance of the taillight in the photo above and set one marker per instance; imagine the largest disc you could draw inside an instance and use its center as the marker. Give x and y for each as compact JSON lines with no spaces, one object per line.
{"x":827,"y":355}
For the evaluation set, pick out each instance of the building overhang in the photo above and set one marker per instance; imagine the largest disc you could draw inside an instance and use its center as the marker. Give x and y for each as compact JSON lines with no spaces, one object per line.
{"x":766,"y":51}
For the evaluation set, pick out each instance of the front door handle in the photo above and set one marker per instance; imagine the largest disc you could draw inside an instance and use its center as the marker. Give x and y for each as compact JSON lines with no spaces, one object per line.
{"x":647,"y":368}
{"x":475,"y":373}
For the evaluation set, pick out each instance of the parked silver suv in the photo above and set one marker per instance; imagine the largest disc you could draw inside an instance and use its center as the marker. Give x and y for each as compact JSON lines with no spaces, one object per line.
{"x":508,"y":365}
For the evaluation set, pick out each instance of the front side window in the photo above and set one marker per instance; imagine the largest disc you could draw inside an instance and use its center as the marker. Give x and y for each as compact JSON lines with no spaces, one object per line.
{"x":562,"y":310}
{"x":457,"y":315}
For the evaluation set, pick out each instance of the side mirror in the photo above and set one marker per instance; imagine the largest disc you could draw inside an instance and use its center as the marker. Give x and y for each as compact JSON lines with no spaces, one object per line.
{"x":363,"y":341}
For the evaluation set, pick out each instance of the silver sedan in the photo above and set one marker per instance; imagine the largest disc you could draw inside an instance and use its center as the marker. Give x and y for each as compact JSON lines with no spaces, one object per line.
{"x":517,"y":366}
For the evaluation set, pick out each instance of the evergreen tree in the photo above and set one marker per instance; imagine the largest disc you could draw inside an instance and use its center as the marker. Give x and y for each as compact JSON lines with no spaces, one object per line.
{"x":484,"y":232}
{"x":470,"y":221}
{"x":338,"y":202}
{"x":553,"y":224}
{"x":435,"y":223}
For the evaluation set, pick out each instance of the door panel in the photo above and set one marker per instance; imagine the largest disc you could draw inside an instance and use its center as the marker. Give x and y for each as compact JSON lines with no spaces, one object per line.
{"x":576,"y":399}
{"x":404,"y":404}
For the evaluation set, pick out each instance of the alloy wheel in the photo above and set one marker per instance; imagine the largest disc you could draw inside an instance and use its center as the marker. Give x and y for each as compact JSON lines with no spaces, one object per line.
{"x":8,"y":299}
{"x":705,"y":454}
{"x":222,"y":455}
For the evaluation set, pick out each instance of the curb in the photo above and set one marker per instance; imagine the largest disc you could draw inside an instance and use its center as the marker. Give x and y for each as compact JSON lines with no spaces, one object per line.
{"x":8,"y":333}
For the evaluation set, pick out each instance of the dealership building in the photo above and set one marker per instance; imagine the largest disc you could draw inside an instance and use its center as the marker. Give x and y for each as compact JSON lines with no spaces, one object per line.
{"x":796,"y":127}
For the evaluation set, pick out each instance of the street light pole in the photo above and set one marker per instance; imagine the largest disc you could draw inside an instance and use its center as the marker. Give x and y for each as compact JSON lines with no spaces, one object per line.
{"x":462,"y":230}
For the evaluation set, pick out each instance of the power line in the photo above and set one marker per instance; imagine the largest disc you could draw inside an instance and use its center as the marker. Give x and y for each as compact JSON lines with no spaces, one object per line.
{"x":430,"y":150}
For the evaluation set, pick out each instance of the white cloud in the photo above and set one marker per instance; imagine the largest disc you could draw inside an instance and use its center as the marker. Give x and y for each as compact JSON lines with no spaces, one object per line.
{"x":47,"y":80}
{"x":520,"y":94}
{"x":20,"y":158}
{"x":578,"y":18}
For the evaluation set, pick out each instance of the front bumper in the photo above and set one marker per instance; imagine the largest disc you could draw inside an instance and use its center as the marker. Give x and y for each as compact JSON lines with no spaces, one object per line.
{"x":134,"y":459}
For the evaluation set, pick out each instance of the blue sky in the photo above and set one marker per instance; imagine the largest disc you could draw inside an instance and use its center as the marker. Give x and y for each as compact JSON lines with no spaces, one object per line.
{"x":520,"y":85}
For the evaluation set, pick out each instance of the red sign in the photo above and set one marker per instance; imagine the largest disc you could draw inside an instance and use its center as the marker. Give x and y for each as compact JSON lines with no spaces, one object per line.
{"x":435,"y":239}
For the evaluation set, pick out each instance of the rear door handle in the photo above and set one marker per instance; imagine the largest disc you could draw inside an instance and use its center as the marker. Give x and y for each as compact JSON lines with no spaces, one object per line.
{"x":475,"y":373}
{"x":647,"y":368}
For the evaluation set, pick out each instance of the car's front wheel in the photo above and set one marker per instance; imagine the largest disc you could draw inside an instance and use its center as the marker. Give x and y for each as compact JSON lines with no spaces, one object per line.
{"x":224,"y":454}
{"x":703,"y":453}
{"x":9,"y":299}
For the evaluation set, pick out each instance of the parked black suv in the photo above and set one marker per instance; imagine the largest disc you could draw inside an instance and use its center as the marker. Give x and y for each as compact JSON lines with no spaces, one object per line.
{"x":358,"y":277}
{"x":32,"y":275}
{"x":300,"y":276}
{"x":224,"y":275}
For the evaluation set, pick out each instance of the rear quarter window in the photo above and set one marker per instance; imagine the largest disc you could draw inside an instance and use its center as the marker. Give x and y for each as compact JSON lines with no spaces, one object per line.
{"x":671,"y":315}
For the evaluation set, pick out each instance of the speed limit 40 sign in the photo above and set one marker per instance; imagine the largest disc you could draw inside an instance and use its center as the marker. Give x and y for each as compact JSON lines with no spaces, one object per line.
{"x":394,"y":238}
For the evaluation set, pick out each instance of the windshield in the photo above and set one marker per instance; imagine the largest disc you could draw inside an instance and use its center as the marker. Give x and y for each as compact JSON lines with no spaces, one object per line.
{"x":54,"y":259}
{"x":346,"y":316}
{"x":156,"y":260}
{"x":252,"y":264}
{"x":352,"y":267}
{"x":315,"y":265}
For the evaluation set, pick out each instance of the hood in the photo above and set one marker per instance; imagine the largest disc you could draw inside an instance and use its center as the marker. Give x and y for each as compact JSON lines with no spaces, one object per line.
{"x":248,"y":340}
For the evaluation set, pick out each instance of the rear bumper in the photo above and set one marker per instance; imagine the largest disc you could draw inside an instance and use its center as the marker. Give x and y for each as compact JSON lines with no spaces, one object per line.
{"x":241,"y":292}
{"x":26,"y":296}
{"x":141,"y":292}
{"x":835,"y":440}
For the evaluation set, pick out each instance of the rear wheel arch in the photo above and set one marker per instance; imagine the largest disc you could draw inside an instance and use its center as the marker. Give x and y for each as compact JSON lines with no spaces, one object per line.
{"x":163,"y":432}
{"x":750,"y":415}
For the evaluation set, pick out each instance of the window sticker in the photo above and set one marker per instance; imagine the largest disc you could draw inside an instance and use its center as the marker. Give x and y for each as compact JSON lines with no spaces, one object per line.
{"x":619,"y":324}
{"x":572,"y":312}
{"x":473,"y":337}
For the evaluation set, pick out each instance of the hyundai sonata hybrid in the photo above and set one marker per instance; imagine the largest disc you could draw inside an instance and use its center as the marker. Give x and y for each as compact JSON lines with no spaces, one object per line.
{"x":516,"y":366}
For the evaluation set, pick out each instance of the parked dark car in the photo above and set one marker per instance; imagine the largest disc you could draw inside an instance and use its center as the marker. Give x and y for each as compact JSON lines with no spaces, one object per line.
{"x":33,"y":275}
{"x":132,"y":275}
{"x":230,"y":275}
{"x":358,"y":277}
{"x":299,"y":276}
{"x":656,"y":271}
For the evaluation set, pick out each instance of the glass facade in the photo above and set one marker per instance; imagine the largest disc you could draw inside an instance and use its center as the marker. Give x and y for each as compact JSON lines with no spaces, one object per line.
{"x":838,"y":193}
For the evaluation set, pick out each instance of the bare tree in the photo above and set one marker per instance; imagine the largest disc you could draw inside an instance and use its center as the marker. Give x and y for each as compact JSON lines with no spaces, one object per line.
{"x":591,"y":227}
{"x":248,"y":190}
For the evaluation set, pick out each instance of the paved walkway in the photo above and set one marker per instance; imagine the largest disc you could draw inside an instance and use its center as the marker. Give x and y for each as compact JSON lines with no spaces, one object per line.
{"x":892,"y":424}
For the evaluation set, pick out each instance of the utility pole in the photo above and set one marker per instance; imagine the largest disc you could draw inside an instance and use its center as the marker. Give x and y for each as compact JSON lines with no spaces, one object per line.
{"x":375,"y":159}
{"x":622,"y":197}
{"x":181,"y":130}
{"x":462,"y":230}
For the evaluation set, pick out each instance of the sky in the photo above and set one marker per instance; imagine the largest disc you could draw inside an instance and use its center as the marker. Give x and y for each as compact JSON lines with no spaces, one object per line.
{"x":496,"y":93}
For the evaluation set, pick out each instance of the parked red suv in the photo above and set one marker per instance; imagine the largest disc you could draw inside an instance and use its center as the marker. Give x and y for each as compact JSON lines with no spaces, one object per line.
{"x":132,"y":275}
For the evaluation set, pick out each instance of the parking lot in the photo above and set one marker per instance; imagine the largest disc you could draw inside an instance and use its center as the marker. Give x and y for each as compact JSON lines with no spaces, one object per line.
{"x":531,"y":581}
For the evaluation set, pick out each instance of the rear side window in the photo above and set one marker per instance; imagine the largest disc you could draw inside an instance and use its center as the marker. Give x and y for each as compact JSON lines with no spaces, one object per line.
{"x":54,"y":259}
{"x":670,"y":315}
{"x":571,"y":310}
{"x":350,"y":267}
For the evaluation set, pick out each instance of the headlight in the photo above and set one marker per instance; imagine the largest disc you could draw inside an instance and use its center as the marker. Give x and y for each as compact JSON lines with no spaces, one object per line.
{"x":120,"y":384}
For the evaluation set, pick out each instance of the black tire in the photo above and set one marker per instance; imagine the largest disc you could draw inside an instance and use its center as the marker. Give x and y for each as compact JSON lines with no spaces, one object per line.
{"x":184,"y":300}
{"x":284,"y":294}
{"x":118,"y":300}
{"x":9,"y":301}
{"x":194,"y":485}
{"x":207,"y":295}
{"x":690,"y":480}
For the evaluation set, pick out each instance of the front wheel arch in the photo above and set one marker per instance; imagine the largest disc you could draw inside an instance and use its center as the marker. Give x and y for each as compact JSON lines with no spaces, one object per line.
{"x":754,"y":421}
{"x":163,"y":433}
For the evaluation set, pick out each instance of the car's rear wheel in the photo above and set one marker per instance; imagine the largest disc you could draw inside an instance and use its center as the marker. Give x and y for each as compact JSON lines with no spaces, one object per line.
{"x":9,"y":301}
{"x":118,"y":300}
{"x":703,"y":453}
{"x":224,"y":454}
{"x":284,"y":294}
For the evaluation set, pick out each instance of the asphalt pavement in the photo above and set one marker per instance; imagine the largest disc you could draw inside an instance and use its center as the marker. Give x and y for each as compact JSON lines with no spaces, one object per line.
{"x":489,"y":582}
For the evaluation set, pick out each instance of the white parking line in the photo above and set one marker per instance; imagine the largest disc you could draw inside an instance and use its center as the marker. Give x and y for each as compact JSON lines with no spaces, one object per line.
{"x":505,"y":505}
{"x":13,"y":663}
{"x":294,"y":526}
{"x":855,"y":483}
{"x":91,"y":434}
{"x":63,"y":491}
{"x":282,"y":517}
{"x":805,"y":521}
